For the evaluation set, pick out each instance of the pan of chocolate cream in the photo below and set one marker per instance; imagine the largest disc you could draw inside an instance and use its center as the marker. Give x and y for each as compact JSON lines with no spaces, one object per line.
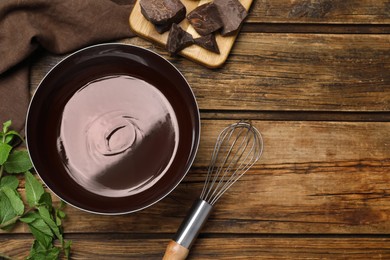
{"x":113,"y":128}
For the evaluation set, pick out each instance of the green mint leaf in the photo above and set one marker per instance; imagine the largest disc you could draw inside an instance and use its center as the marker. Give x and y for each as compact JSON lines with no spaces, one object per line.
{"x":47,"y":217}
{"x":46,"y":200}
{"x":7,"y":138}
{"x":59,"y":214}
{"x":35,"y":249}
{"x":62,"y":204}
{"x":7,"y":213}
{"x":67,"y":247}
{"x":52,"y":253}
{"x":37,"y":252}
{"x":11,"y":134}
{"x":18,"y":162}
{"x":34,"y":189}
{"x":15,"y":200}
{"x":41,"y":225}
{"x":58,"y":221}
{"x":5,"y":150}
{"x":6,"y":125}
{"x":42,"y":233}
{"x":9,"y":181}
{"x":30,"y":217}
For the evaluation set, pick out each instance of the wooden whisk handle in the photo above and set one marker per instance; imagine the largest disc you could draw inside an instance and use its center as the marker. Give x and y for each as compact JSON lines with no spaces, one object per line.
{"x":189,"y":229}
{"x":175,"y":251}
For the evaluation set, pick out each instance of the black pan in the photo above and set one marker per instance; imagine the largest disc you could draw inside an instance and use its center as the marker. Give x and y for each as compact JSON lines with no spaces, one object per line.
{"x":113,"y":128}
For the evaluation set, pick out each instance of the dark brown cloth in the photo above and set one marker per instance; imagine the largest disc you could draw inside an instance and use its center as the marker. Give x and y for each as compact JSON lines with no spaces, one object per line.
{"x":58,"y":26}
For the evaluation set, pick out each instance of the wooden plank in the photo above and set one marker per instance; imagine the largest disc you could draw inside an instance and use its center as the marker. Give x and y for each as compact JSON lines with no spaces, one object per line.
{"x":316,"y":28}
{"x":108,"y":247}
{"x":299,"y":72}
{"x":142,"y":27}
{"x":323,"y":11}
{"x":314,"y":177}
{"x":284,"y":72}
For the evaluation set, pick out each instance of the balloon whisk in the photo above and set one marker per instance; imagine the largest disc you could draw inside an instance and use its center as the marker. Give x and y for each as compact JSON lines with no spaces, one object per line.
{"x":238,"y":147}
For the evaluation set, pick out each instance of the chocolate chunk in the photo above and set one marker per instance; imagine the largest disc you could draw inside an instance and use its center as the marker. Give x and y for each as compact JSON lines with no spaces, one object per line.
{"x":163,"y":11}
{"x":178,"y":39}
{"x":205,"y":19}
{"x":208,"y":42}
{"x":232,"y":14}
{"x":162,"y":28}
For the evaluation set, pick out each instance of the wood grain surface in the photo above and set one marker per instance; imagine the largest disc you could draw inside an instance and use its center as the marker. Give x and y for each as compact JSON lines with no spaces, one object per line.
{"x":288,"y":72}
{"x":123,"y":247}
{"x":314,"y":78}
{"x":321,"y":11}
{"x":297,"y":187}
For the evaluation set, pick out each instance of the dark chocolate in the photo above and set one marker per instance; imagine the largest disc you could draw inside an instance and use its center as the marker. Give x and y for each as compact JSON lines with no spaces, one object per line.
{"x":178,"y":39}
{"x":162,"y":28}
{"x":205,"y":19}
{"x":163,"y":11}
{"x":232,"y":14}
{"x":208,"y":42}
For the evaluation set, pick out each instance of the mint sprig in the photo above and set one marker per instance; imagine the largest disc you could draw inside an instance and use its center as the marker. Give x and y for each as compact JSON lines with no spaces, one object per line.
{"x":43,"y":219}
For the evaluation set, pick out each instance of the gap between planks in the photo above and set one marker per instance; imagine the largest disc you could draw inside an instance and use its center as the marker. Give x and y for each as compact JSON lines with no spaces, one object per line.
{"x":118,"y":236}
{"x":328,"y":116}
{"x":316,"y":28}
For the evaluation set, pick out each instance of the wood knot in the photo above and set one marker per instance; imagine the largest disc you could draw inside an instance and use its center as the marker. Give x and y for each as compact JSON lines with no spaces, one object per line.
{"x":311,"y":8}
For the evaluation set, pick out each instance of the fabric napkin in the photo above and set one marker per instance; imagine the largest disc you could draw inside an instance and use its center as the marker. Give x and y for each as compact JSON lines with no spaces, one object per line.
{"x":57,"y":26}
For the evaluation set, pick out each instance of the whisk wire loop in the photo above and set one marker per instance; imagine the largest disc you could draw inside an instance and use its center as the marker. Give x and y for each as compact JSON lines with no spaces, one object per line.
{"x":234,"y":156}
{"x":211,"y":179}
{"x":239,"y":169}
{"x":237,"y":149}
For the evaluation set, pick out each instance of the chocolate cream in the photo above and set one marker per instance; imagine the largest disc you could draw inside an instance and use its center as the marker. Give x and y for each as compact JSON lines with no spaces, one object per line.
{"x":118,"y":136}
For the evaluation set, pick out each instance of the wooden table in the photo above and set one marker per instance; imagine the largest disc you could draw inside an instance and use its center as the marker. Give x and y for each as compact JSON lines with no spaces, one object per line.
{"x":314,"y":78}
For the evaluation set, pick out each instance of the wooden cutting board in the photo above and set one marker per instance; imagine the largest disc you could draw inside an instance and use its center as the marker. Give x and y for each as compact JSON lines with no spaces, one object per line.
{"x":145,"y":29}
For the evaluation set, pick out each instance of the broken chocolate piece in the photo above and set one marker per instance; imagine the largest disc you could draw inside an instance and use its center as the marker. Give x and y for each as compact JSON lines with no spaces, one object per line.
{"x":205,"y":19}
{"x":208,"y":42}
{"x":162,"y":28}
{"x":163,"y":11}
{"x":232,"y":14}
{"x":178,"y":39}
